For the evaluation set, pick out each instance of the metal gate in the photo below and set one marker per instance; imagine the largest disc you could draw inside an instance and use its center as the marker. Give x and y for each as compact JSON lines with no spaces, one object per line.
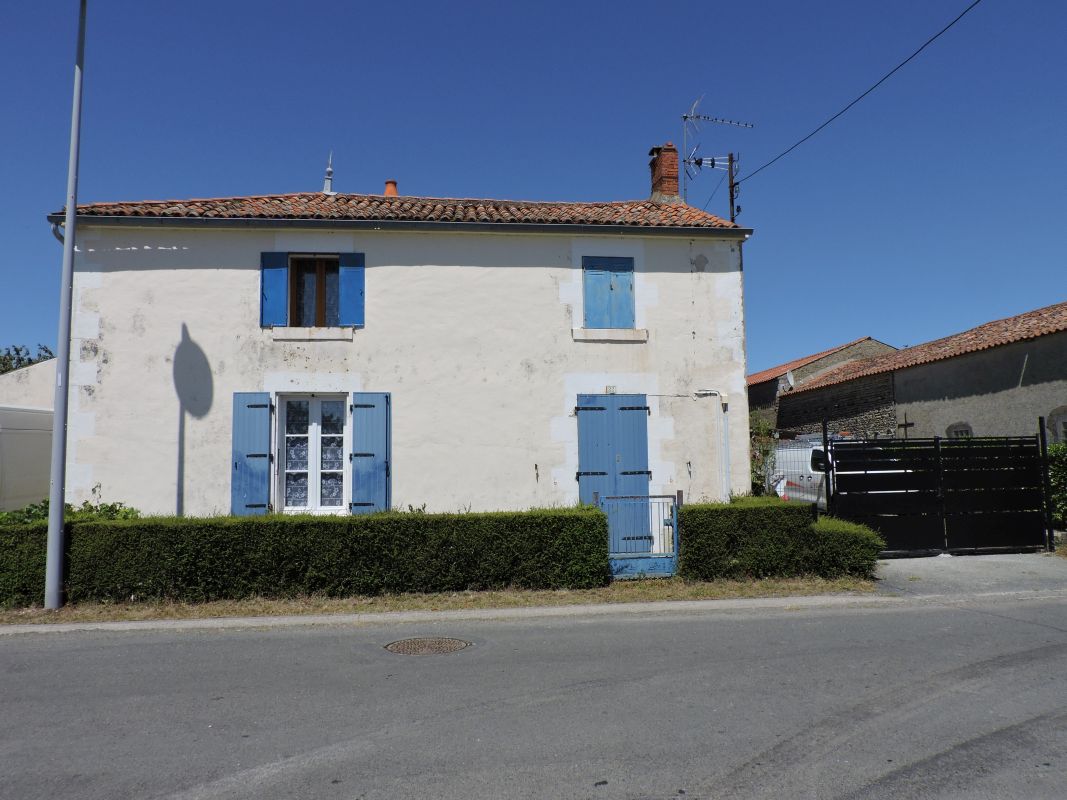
{"x":982,"y":494}
{"x":642,"y":534}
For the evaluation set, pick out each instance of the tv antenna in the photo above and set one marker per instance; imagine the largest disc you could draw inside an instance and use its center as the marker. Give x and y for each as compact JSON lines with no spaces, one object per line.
{"x":690,"y":159}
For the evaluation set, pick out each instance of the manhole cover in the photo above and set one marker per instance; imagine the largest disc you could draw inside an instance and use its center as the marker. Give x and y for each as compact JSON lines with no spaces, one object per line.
{"x":426,"y":646}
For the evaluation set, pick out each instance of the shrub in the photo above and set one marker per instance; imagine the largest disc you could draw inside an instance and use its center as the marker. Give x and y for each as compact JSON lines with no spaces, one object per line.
{"x":843,"y":548}
{"x":761,"y":451}
{"x":200,"y":559}
{"x":39,"y":511}
{"x":23,"y":549}
{"x":766,"y":537}
{"x":1057,"y":470}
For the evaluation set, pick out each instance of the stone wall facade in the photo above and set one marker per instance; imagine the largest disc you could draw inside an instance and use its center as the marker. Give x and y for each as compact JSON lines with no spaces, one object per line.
{"x":863,"y":407}
{"x":996,"y":392}
{"x":763,"y":396}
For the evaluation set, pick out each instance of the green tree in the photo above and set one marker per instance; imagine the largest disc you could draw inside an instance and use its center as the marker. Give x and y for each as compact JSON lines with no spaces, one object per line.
{"x":18,"y":356}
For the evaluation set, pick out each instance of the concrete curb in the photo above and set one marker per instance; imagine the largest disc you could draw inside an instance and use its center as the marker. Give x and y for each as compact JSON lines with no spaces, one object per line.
{"x":661,"y":607}
{"x":402,"y":617}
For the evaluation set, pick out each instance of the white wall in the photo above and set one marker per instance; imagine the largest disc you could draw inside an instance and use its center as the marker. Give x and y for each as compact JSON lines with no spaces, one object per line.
{"x":472,"y":334}
{"x":25,"y":456}
{"x":29,"y":387}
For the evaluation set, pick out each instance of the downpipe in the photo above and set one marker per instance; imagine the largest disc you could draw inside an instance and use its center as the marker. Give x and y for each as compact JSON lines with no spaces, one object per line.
{"x":724,"y":437}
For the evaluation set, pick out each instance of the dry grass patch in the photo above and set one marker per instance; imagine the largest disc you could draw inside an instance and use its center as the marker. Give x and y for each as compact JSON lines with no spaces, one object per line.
{"x":635,"y":591}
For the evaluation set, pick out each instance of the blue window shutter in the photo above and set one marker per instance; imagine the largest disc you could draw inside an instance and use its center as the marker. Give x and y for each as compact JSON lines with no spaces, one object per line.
{"x":352,"y":291}
{"x":622,"y":297}
{"x":608,"y":292}
{"x":597,"y":298}
{"x":274,"y":290}
{"x":596,"y":473}
{"x":630,"y":438}
{"x":371,"y":452}
{"x":629,"y":521}
{"x":250,"y":478}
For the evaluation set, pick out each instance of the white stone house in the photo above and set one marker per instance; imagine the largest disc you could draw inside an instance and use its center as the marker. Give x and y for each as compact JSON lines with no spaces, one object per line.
{"x":343,"y":353}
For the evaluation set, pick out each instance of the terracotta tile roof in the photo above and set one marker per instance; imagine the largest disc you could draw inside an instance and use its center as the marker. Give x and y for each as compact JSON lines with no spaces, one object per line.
{"x":782,"y":369}
{"x":1030,"y":325}
{"x":319,"y":206}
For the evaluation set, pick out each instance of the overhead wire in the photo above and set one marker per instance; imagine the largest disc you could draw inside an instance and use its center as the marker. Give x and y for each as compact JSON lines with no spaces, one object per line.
{"x":714,"y":192}
{"x":883,"y":79}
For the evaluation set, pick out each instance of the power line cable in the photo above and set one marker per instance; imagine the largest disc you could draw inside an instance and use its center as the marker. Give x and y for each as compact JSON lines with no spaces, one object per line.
{"x":884,"y":78}
{"x":712,"y":197}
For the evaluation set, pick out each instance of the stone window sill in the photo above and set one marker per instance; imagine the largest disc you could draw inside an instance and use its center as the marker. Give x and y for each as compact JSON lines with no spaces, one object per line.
{"x":610,"y":334}
{"x":312,"y":334}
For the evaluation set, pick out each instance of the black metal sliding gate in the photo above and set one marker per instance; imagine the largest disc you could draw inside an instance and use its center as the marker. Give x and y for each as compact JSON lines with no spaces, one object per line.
{"x":952,"y":495}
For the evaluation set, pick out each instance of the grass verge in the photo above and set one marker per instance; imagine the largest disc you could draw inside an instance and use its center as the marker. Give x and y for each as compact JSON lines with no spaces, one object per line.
{"x":618,"y":592}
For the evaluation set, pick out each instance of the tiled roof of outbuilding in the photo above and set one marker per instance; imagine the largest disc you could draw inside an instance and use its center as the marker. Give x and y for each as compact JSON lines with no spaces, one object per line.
{"x":1032,"y":324}
{"x":797,"y":363}
{"x":320,"y":206}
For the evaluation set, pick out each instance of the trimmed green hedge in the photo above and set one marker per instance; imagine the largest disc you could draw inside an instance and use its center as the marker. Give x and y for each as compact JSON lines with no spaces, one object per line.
{"x":199,"y":559}
{"x":23,"y":549}
{"x":1057,"y":471}
{"x":843,"y":548}
{"x":767,"y":537}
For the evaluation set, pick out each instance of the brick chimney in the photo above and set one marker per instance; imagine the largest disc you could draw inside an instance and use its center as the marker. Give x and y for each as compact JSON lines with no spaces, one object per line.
{"x":390,"y":188}
{"x":664,"y":167}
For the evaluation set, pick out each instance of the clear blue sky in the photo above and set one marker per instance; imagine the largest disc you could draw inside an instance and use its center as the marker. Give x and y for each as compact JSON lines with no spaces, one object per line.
{"x":936,"y":204}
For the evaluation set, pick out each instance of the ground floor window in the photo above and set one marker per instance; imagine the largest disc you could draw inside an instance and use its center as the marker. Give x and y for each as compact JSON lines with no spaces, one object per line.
{"x":959,"y":430}
{"x":313,"y":470}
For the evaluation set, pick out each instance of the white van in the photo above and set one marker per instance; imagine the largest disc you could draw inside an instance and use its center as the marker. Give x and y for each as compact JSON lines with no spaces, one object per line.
{"x":25,"y":456}
{"x":797,"y":472}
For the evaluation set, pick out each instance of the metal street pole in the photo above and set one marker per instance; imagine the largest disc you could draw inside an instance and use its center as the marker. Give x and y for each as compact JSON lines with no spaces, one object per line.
{"x":53,"y":585}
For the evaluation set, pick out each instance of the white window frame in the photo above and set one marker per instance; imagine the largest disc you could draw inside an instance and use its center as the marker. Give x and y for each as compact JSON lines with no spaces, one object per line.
{"x":314,"y":454}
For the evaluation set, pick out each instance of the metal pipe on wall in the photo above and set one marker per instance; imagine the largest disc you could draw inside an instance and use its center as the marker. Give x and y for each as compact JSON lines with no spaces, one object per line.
{"x":724,"y":437}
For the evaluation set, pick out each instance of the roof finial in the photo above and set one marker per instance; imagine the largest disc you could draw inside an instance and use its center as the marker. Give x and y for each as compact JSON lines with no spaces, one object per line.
{"x":327,"y":185}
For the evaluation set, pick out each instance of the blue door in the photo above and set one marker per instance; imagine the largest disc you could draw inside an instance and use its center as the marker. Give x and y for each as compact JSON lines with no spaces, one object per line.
{"x":613,"y":462}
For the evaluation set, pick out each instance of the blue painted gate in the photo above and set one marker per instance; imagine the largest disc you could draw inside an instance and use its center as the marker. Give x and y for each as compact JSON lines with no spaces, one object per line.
{"x":613,"y":473}
{"x":643,"y":535}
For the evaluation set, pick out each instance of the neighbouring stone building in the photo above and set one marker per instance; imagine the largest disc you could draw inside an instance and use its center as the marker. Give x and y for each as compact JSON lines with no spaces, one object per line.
{"x":765,"y":386}
{"x":993,"y":380}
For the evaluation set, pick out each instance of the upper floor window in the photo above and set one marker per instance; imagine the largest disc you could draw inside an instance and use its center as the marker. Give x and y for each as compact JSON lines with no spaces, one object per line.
{"x":311,"y":290}
{"x":314,"y":292}
{"x":608,"y":291}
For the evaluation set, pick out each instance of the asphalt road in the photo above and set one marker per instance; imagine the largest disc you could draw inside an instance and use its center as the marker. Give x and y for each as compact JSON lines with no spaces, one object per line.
{"x":903,"y":699}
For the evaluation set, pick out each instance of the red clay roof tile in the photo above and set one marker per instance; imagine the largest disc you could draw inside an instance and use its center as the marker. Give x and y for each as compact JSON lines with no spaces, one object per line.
{"x":782,"y":369}
{"x":315,"y":205}
{"x":1032,"y":324}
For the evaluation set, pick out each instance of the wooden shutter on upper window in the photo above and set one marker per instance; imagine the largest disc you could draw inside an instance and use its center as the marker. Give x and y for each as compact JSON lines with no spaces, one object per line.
{"x":274,"y":290}
{"x":608,"y":288}
{"x":352,"y":289}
